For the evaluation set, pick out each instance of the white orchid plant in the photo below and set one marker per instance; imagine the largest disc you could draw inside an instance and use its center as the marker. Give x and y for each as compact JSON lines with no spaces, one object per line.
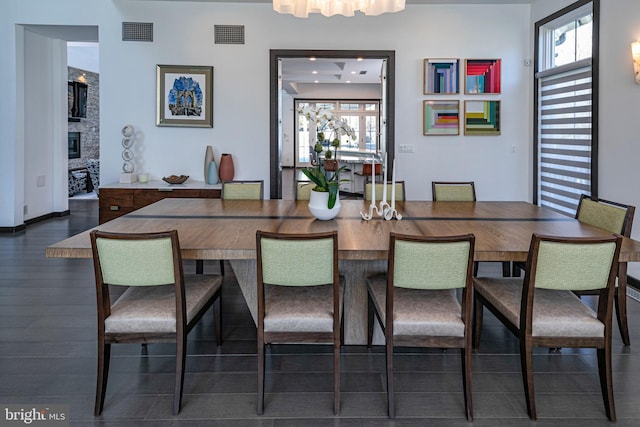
{"x":328,"y":127}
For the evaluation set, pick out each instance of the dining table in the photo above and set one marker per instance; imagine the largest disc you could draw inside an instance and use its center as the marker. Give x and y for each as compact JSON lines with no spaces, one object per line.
{"x":216,"y":229}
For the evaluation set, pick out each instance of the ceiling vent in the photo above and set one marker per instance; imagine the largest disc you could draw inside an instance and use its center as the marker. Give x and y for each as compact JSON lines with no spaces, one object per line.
{"x":229,"y":34}
{"x":137,"y":31}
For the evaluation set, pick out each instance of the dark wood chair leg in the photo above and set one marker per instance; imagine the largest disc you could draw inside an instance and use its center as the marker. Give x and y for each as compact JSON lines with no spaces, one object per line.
{"x":260,"y":377}
{"x":370,"y":314}
{"x":621,"y":309}
{"x":526,"y":362}
{"x":606,"y":383}
{"x":104,"y":356}
{"x":336,"y":377}
{"x":181,"y":356}
{"x":476,"y":264}
{"x":199,"y":266}
{"x":217,"y":312}
{"x":478,"y":309}
{"x":465,"y":356}
{"x":222,"y":267}
{"x":390,"y":401}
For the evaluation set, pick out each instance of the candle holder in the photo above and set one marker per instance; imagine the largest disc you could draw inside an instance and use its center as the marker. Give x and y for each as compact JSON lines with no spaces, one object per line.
{"x":385,"y":210}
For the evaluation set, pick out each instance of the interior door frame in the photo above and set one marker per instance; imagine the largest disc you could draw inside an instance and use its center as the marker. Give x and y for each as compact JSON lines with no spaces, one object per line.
{"x":387,"y":123}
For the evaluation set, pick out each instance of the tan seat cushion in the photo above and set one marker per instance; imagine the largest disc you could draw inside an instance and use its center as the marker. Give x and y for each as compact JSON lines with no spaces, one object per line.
{"x":555,"y":313}
{"x":419,"y":312}
{"x":300,"y":308}
{"x":153,"y":308}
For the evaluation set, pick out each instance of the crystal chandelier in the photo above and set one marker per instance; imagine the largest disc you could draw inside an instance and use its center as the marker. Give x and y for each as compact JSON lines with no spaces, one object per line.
{"x":302,"y":8}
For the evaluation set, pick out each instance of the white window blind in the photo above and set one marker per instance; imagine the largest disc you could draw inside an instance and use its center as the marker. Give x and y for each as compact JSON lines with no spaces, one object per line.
{"x":565,"y":135}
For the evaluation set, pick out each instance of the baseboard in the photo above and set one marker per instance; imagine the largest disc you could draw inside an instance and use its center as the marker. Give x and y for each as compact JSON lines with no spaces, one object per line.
{"x":40,"y":218}
{"x":15,"y":229}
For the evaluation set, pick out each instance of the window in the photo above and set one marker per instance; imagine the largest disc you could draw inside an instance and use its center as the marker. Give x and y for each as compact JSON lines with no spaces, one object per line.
{"x":362,"y":116}
{"x":566,"y":117}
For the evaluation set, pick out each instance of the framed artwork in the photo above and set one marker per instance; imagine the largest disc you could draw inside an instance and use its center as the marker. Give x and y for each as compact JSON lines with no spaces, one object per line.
{"x":441,"y":118}
{"x":441,"y":76}
{"x":482,"y":76}
{"x":184,"y":96}
{"x":482,"y":117}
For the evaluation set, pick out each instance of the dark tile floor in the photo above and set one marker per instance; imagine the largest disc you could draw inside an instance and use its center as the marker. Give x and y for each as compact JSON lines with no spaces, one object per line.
{"x":48,"y":356}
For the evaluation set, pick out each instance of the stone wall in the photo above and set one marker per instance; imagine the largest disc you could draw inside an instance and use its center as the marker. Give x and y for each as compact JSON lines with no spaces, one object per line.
{"x":88,"y":127}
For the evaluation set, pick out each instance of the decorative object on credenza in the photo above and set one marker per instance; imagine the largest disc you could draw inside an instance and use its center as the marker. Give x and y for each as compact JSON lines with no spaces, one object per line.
{"x":482,"y":117}
{"x":175,"y":179}
{"x":441,"y":76}
{"x":226,"y":171}
{"x":482,"y":76}
{"x":127,"y":176}
{"x":184,"y":96}
{"x":385,"y":210}
{"x":441,"y":118}
{"x":210,"y":167}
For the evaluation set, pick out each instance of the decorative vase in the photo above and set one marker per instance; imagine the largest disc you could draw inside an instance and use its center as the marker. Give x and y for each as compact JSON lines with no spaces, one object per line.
{"x":226,"y":169}
{"x":318,"y":205}
{"x":212,"y":173}
{"x":208,"y":158}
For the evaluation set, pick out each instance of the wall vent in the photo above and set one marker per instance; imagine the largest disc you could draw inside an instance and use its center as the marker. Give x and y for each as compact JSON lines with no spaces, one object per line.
{"x":228,"y":34}
{"x":137,"y":31}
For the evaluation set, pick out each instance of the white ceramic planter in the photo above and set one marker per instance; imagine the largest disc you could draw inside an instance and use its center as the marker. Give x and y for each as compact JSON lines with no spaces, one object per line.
{"x":318,"y":205}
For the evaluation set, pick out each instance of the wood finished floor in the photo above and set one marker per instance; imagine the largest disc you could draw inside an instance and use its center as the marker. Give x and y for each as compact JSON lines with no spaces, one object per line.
{"x":48,"y":356}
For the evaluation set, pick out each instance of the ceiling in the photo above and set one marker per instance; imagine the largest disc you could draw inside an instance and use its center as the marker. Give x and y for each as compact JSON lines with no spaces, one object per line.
{"x":407,"y":1}
{"x":297,"y":71}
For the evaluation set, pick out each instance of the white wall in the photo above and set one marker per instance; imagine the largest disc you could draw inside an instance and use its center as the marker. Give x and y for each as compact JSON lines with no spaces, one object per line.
{"x":499,"y":165}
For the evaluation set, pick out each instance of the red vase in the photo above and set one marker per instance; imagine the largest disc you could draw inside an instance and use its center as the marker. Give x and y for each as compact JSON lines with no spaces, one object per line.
{"x":226,"y":169}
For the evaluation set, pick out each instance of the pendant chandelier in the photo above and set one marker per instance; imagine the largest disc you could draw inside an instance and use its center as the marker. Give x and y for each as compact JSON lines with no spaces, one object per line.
{"x":302,"y":8}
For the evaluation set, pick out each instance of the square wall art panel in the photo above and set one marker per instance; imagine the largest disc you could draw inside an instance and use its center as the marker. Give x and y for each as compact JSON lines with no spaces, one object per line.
{"x":482,"y":117}
{"x":482,"y":76}
{"x":441,"y":118}
{"x":441,"y":76}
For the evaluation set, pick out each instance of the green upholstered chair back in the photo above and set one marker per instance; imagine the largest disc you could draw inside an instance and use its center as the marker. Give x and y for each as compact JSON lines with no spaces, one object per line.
{"x":606,"y":215}
{"x":303,"y":190}
{"x":400,"y":197}
{"x":432,"y":264}
{"x":242,"y":190}
{"x":297,"y":261}
{"x":573,"y":265}
{"x":136,"y":262}
{"x":453,"y":191}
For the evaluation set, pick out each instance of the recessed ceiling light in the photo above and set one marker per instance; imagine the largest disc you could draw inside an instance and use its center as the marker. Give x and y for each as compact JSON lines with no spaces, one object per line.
{"x":353,"y":72}
{"x":360,"y":58}
{"x":312,"y":58}
{"x":316,"y":81}
{"x":348,"y":81}
{"x":314,"y":72}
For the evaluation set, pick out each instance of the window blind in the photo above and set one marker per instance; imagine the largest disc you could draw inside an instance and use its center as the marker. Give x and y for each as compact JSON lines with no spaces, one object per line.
{"x":565,"y":137}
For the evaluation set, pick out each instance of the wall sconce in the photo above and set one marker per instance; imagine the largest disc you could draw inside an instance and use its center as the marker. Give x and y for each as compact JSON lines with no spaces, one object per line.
{"x":635,"y":54}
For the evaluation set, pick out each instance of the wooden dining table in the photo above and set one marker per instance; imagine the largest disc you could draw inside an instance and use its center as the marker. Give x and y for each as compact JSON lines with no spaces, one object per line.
{"x":213,"y":229}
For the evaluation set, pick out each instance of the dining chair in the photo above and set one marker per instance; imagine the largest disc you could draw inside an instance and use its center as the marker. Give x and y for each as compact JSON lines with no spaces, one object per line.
{"x":160,"y":303}
{"x":366,"y":173}
{"x":300,"y":295}
{"x":236,"y":190}
{"x":450,"y":191}
{"x":243,"y":190}
{"x":616,"y":218}
{"x":543,"y":311}
{"x":303,"y":190}
{"x":461,"y":191}
{"x":416,"y":302}
{"x":400,"y":194}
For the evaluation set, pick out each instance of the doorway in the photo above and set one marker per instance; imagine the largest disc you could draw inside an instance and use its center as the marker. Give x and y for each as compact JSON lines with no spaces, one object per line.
{"x":387,"y":104}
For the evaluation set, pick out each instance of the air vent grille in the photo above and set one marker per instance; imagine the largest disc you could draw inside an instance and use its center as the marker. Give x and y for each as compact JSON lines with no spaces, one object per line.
{"x":229,"y":34}
{"x":137,"y":31}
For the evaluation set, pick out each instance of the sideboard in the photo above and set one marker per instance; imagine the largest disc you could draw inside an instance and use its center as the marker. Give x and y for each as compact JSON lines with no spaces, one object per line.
{"x":118,"y":199}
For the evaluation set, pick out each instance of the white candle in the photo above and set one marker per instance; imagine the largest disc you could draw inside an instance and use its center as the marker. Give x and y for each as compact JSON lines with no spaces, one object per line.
{"x":384,"y":180}
{"x":373,"y":181}
{"x":393,"y":185}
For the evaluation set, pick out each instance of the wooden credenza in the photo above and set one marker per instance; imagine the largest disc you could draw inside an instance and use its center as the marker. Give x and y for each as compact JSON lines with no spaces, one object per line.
{"x":118,"y":199}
